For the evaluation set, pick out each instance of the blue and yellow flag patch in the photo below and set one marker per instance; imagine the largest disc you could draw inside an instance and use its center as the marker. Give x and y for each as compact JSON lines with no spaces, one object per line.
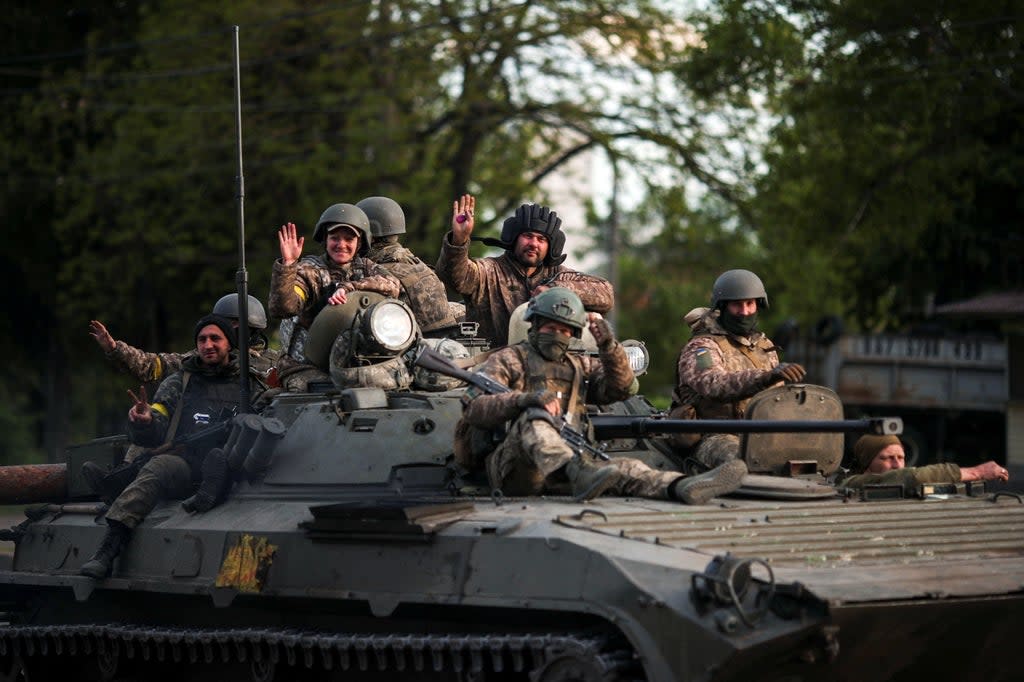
{"x":704,"y":359}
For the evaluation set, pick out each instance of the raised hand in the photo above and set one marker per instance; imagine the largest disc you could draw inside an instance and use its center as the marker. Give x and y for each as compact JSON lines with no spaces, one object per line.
{"x":290,"y":242}
{"x":463,"y":220}
{"x":103,"y":338}
{"x":140,"y":412}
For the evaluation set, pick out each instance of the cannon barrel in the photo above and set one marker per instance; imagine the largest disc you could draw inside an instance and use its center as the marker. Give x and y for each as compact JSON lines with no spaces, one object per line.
{"x":28,"y":483}
{"x":608,"y":426}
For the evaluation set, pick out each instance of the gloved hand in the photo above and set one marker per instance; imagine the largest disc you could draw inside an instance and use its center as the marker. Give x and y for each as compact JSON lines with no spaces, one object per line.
{"x":535,"y":399}
{"x":790,"y":372}
{"x":601,"y":330}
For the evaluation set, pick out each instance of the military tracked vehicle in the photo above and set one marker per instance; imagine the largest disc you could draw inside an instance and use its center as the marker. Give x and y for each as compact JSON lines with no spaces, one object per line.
{"x":355,"y":550}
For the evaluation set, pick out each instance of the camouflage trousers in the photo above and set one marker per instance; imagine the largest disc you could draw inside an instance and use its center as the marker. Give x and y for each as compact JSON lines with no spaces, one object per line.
{"x":716,"y":449}
{"x":161,"y":478}
{"x":532,"y":458}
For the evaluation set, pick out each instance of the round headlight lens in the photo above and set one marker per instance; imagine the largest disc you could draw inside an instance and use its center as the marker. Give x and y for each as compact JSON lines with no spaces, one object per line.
{"x":639,"y":358}
{"x":390,"y":325}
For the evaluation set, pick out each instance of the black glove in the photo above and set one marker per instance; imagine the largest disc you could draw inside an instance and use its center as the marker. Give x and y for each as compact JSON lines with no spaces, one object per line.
{"x":535,"y":399}
{"x":790,"y":372}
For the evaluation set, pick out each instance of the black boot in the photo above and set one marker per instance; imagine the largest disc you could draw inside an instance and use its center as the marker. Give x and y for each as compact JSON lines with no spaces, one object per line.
{"x":211,"y":489}
{"x":99,"y":565}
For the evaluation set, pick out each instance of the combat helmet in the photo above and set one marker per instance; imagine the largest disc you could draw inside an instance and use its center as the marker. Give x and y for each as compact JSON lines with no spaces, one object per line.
{"x":738,"y":285}
{"x":536,"y":218}
{"x":385,"y":215}
{"x":227,"y":306}
{"x":345,"y":214}
{"x":561,"y":305}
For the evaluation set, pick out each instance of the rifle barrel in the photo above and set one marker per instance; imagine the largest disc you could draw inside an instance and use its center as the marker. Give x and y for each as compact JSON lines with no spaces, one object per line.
{"x":607,"y":427}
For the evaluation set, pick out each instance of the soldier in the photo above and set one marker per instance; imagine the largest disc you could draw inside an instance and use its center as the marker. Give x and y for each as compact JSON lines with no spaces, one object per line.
{"x":880,"y":460}
{"x":548,"y":385}
{"x":421,"y":288}
{"x":148,"y":367}
{"x":725,"y":363}
{"x":206,"y":390}
{"x":495,"y":286}
{"x":301,"y":286}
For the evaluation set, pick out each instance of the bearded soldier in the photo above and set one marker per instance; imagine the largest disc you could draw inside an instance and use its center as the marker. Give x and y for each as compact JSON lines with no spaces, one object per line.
{"x":494,"y":287}
{"x":548,"y":384}
{"x":725,"y":363}
{"x":421,"y":288}
{"x":300,"y":286}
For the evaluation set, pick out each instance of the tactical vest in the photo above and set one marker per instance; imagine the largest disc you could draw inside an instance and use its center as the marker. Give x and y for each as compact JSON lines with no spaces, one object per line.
{"x":755,"y":357}
{"x":206,"y":400}
{"x":565,"y":379}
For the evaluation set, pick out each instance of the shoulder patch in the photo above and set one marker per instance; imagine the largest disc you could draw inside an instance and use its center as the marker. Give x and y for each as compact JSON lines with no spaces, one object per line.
{"x":704,"y":359}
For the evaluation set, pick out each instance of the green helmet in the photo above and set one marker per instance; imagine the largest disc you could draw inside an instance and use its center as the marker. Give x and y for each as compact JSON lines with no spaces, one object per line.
{"x":385,"y":215}
{"x":227,"y":306}
{"x":738,"y":285}
{"x":344,"y":214}
{"x":561,"y":305}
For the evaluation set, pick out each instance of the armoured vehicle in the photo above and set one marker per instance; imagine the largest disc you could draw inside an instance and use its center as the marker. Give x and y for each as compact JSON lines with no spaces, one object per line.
{"x":353,"y":549}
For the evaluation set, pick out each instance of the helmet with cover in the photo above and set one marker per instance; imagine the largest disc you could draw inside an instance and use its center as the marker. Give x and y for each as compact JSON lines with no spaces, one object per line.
{"x":558,"y":304}
{"x":385,"y":215}
{"x":738,"y":285}
{"x":348,"y":215}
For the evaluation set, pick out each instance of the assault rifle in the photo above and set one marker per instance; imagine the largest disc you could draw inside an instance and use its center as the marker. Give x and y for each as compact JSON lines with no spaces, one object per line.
{"x":435,"y":362}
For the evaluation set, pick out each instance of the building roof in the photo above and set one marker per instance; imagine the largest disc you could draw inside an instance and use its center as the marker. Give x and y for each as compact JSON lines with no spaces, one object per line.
{"x":998,"y":304}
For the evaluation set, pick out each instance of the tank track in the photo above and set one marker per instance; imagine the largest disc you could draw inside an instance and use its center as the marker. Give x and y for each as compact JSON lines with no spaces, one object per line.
{"x":549,"y":657}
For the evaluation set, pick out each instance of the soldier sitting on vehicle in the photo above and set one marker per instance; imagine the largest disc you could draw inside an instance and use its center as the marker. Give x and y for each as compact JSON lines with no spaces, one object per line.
{"x":187,"y":403}
{"x":879,"y":460}
{"x":550,"y":386}
{"x":725,"y":363}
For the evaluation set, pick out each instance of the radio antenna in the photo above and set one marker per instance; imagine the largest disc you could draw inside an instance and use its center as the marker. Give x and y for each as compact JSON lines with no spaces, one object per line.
{"x":241,"y":277}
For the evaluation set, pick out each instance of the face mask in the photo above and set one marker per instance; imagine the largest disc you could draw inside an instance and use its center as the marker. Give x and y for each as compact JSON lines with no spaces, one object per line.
{"x":551,"y":346}
{"x":739,"y":325}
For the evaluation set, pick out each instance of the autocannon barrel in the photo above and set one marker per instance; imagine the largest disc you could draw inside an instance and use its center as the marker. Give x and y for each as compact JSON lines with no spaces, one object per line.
{"x":607,"y":426}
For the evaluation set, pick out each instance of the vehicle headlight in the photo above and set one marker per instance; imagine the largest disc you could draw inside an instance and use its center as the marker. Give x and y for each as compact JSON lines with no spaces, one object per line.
{"x":387,"y":328}
{"x":639,"y":358}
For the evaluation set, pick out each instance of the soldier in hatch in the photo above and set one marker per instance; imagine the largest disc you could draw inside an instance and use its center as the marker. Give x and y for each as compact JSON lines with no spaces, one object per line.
{"x":496,"y":286}
{"x":725,"y":363}
{"x":421,"y":288}
{"x":301,"y":286}
{"x":549,"y":384}
{"x":879,"y":460}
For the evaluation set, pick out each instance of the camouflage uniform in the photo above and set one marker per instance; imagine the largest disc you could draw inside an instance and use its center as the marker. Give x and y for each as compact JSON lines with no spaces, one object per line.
{"x":150,"y":367}
{"x":495,"y":286}
{"x":717,"y":374}
{"x":532,"y":457}
{"x":421,"y":288}
{"x":910,"y":477}
{"x":200,"y":397}
{"x":300,"y":291}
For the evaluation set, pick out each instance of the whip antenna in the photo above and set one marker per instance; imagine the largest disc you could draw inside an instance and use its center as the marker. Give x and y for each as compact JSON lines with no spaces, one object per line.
{"x":241,"y":277}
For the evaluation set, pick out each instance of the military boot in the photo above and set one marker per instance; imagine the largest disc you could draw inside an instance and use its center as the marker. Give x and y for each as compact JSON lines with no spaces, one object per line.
{"x":721,"y":480}
{"x":215,"y":479}
{"x":102,"y":561}
{"x":589,"y":480}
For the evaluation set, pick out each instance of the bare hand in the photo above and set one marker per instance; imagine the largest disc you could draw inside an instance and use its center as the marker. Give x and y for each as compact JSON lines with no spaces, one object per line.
{"x":102,"y":336}
{"x":290,"y":242}
{"x":600,"y":329}
{"x":790,"y":372}
{"x":463,"y":221}
{"x":989,"y":471}
{"x":338,"y":297}
{"x":140,"y":412}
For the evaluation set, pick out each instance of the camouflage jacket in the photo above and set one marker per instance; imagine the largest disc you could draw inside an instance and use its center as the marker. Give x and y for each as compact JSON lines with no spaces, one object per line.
{"x":909,"y":477}
{"x":302,"y":288}
{"x":204,"y":394}
{"x":580,"y":379}
{"x":717,"y":373}
{"x":495,"y":286}
{"x":421,"y":287}
{"x":146,"y":367}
